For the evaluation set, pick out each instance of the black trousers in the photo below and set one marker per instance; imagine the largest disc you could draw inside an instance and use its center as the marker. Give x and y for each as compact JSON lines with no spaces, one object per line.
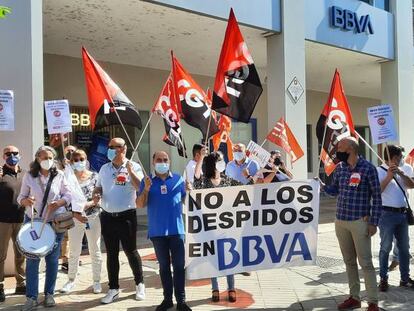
{"x":121,"y":228}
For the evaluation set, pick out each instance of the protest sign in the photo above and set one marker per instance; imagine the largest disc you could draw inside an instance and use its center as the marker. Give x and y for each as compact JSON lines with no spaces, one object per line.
{"x":6,"y":110}
{"x":381,"y":123}
{"x":58,"y":117}
{"x":258,"y":153}
{"x":250,"y":228}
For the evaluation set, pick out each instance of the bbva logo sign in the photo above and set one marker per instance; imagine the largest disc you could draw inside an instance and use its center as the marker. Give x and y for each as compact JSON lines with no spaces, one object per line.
{"x":349,"y":21}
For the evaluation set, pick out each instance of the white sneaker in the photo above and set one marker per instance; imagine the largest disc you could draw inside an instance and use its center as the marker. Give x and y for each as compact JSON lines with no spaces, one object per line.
{"x":140,"y":295}
{"x":68,"y":287}
{"x":97,"y":288}
{"x":111,"y":296}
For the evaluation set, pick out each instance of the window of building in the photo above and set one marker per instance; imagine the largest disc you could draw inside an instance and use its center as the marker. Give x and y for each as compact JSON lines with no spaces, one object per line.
{"x":380,"y":4}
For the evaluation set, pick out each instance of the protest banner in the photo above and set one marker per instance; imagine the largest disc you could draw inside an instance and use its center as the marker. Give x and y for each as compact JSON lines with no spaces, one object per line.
{"x":250,"y":228}
{"x":381,"y":123}
{"x":258,"y":153}
{"x":58,"y":116}
{"x":6,"y":110}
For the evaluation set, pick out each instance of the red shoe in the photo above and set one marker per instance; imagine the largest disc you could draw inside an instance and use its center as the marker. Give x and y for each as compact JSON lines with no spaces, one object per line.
{"x":350,"y":303}
{"x":372,"y":307}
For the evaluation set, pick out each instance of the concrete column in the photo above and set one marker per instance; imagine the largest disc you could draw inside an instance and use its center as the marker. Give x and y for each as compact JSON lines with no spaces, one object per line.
{"x":285,"y":61}
{"x":21,"y":56}
{"x":397,"y":75}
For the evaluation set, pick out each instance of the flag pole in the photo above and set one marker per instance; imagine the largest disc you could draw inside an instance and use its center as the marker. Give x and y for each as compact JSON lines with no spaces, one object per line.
{"x":208,"y":130}
{"x":368,"y":145}
{"x":142,"y":135}
{"x":129,"y":138}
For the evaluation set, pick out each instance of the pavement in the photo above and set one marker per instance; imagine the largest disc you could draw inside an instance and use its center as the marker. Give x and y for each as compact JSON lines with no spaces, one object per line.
{"x":319,"y":287}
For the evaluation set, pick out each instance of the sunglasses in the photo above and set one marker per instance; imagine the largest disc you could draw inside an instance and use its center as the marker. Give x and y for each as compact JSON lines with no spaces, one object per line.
{"x":8,"y":154}
{"x":77,"y":160}
{"x":113,"y":147}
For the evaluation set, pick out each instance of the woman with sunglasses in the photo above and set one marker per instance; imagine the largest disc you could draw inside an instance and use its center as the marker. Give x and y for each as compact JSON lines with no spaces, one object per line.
{"x":85,"y":210}
{"x":34,"y":185}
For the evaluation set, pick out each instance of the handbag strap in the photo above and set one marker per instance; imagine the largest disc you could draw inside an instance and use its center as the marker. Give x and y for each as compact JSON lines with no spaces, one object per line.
{"x":46,"y":193}
{"x":399,"y":186}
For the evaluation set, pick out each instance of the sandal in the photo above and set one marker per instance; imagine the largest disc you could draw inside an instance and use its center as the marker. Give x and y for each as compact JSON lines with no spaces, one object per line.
{"x":215,"y":296}
{"x":232,"y":296}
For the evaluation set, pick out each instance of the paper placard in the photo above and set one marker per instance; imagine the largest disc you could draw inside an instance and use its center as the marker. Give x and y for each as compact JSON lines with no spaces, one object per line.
{"x":381,"y":123}
{"x":257,"y":153}
{"x":6,"y":110}
{"x":58,"y":117}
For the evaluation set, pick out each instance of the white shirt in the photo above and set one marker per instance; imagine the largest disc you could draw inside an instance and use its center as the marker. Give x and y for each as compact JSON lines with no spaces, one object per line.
{"x":392,"y":195}
{"x":35,"y":186}
{"x":118,"y":193}
{"x":190,"y":171}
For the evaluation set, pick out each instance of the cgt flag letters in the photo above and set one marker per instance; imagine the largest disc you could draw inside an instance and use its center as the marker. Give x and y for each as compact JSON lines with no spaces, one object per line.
{"x":249,"y":228}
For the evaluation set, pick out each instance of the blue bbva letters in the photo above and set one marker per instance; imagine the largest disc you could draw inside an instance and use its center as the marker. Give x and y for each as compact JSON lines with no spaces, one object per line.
{"x":349,"y":21}
{"x":252,"y":256}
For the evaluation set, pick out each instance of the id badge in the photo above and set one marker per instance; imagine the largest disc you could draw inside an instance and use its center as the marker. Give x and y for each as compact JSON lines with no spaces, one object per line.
{"x":163,"y":189}
{"x":354,"y":180}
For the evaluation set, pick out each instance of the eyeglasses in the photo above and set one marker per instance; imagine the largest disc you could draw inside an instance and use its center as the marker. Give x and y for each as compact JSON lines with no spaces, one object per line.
{"x":77,"y":160}
{"x":8,"y":154}
{"x":113,"y":147}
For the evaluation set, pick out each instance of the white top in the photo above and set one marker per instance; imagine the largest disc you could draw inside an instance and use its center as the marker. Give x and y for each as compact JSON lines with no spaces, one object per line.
{"x":35,"y":186}
{"x":118,"y":193}
{"x":190,"y":171}
{"x":392,"y":195}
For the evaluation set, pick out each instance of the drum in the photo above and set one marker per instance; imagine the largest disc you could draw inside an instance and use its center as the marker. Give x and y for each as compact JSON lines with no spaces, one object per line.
{"x":33,"y":245}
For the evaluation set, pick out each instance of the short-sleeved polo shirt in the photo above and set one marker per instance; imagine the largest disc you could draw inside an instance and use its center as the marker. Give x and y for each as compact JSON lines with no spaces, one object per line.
{"x":118,"y":193}
{"x":165,"y":205}
{"x":235,"y":170}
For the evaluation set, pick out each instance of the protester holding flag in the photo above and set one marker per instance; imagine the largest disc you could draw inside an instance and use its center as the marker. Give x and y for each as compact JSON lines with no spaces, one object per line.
{"x":214,"y":177}
{"x":395,"y":179}
{"x":164,"y":192}
{"x":117,"y":183}
{"x":356,"y":183}
{"x":241,"y":168}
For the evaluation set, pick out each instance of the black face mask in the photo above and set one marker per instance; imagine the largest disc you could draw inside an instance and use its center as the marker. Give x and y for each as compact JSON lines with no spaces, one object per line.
{"x":277,"y":161}
{"x":68,"y":155}
{"x":342,"y":156}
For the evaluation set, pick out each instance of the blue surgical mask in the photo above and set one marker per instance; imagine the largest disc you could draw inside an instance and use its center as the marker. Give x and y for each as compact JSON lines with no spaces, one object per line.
{"x":239,"y":156}
{"x":13,"y":160}
{"x":79,"y":166}
{"x":111,"y":154}
{"x":162,"y":168}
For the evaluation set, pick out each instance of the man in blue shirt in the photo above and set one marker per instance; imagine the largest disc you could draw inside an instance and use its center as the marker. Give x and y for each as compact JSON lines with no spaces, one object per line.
{"x":241,"y":168}
{"x":355,"y":182}
{"x":164,"y":192}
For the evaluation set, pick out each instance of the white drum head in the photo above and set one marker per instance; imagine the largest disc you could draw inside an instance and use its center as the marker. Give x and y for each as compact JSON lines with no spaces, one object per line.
{"x":30,"y":241}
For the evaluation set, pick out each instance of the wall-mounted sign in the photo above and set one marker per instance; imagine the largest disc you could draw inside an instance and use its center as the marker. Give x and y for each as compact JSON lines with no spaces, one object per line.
{"x":295,"y":90}
{"x":6,"y":110}
{"x":348,"y":20}
{"x":80,"y":119}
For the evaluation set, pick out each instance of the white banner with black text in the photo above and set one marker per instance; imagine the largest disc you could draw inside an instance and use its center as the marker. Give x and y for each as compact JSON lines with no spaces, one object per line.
{"x":248,"y":228}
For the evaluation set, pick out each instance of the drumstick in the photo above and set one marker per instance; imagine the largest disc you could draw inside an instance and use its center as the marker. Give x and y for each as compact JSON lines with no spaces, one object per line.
{"x":43,"y":225}
{"x":32,"y":215}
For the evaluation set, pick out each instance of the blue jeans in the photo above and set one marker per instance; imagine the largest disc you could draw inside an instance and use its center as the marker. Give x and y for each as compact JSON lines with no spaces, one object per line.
{"x":171,"y":249}
{"x":32,"y":270}
{"x":394,"y":224}
{"x":230,"y":282}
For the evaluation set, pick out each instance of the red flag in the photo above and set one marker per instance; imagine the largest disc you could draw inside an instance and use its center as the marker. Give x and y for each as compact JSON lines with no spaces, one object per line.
{"x":237,"y":87}
{"x":224,"y":136}
{"x":336,"y":117}
{"x":282,"y":136}
{"x":166,"y":107}
{"x":104,"y":96}
{"x":191,"y":100}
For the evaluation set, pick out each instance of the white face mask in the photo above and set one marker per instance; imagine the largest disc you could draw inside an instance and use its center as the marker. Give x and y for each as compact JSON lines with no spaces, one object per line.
{"x":47,"y":164}
{"x":239,"y":155}
{"x":220,"y":166}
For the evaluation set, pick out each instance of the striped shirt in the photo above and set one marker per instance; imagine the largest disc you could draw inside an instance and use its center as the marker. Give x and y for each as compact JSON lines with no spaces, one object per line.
{"x":358,"y":190}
